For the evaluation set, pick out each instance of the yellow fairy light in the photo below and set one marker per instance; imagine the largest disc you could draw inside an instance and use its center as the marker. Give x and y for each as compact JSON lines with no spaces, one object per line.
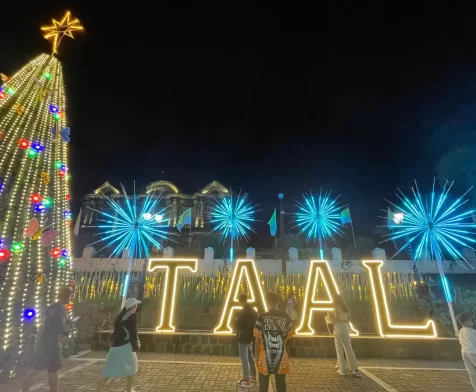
{"x":59,"y":29}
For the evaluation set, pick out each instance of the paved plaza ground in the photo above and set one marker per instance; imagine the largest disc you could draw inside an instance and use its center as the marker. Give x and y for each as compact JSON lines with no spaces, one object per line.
{"x":182,"y":372}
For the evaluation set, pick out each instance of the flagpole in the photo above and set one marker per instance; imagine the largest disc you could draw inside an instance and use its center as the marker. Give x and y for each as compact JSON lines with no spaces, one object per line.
{"x":353,"y":236}
{"x":321,"y":251}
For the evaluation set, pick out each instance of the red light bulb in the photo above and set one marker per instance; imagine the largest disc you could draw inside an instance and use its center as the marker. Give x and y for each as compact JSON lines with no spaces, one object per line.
{"x":62,"y":173}
{"x":68,"y":197}
{"x":4,"y":255}
{"x":69,"y":307}
{"x":23,"y":143}
{"x":56,"y":252}
{"x":35,"y":198}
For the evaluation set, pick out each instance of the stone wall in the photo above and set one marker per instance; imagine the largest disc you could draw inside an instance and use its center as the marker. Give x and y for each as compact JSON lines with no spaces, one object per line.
{"x":364,"y":347}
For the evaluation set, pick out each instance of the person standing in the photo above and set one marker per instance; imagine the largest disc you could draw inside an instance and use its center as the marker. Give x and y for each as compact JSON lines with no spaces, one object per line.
{"x":467,"y":339}
{"x":272,"y":331}
{"x":47,"y":348}
{"x":341,"y":319}
{"x":245,"y":323}
{"x":121,"y":361}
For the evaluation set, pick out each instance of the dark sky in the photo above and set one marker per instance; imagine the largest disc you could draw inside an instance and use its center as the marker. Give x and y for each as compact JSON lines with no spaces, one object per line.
{"x":260,"y":99}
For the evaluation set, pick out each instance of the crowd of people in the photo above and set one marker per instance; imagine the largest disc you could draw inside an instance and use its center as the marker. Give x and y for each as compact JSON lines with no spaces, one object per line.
{"x":265,"y":334}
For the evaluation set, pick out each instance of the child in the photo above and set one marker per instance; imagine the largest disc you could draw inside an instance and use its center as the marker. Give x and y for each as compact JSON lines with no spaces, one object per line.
{"x":467,"y":338}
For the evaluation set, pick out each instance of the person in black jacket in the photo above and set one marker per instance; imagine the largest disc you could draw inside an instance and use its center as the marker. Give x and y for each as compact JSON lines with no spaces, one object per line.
{"x":121,"y":361}
{"x":245,"y":324}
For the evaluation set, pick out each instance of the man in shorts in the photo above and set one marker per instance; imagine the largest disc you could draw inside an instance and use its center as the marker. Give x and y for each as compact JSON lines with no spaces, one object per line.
{"x":47,"y":350}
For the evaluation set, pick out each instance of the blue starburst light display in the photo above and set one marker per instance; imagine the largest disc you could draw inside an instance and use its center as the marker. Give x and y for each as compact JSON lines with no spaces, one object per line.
{"x":233,"y":217}
{"x":434,"y":227}
{"x":130,"y":229}
{"x":319,"y":219}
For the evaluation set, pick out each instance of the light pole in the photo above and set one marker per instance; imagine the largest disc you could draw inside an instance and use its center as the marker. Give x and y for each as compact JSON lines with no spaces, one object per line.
{"x":282,"y":232}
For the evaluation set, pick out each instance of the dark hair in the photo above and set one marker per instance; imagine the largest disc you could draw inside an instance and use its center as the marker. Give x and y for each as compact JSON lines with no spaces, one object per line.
{"x":463,"y":317}
{"x":339,"y":301}
{"x":272,"y":298}
{"x":242,"y":298}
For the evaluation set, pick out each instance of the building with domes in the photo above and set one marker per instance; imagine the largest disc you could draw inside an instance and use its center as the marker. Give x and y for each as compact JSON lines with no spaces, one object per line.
{"x":176,"y":202}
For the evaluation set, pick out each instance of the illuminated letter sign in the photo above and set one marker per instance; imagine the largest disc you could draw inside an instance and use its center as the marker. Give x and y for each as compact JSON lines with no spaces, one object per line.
{"x":243,"y":267}
{"x":171,"y":267}
{"x":384,"y":322}
{"x":311,"y":304}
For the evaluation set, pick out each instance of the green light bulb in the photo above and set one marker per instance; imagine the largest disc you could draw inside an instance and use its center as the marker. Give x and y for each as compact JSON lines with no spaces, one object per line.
{"x":56,"y":116}
{"x":10,"y":91}
{"x":47,"y":75}
{"x":47,"y":201}
{"x":32,"y":153}
{"x":17,"y":247}
{"x":58,"y":165}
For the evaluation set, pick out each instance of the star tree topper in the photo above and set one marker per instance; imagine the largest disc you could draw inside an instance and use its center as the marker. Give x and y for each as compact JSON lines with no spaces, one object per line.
{"x":59,"y":29}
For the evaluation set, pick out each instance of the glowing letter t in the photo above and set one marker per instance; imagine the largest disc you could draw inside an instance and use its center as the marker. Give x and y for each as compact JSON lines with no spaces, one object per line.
{"x":171,"y":267}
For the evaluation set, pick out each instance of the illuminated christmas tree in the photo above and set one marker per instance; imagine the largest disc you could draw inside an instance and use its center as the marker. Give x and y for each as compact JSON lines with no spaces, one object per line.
{"x":35,"y":217}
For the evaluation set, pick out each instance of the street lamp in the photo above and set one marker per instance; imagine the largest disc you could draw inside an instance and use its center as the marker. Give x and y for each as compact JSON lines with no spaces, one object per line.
{"x":282,"y":231}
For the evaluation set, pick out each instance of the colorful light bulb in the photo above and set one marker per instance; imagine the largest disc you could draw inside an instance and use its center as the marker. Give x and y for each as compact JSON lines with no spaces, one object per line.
{"x":4,"y":254}
{"x":67,"y":214}
{"x":36,"y":145}
{"x":56,"y":117}
{"x":17,"y":247}
{"x":62,"y":173}
{"x":47,"y":75}
{"x":29,"y":314}
{"x":3,"y":95}
{"x":53,"y":109}
{"x":56,"y":252}
{"x":39,"y":207}
{"x":65,"y":253}
{"x":58,"y":165}
{"x":10,"y":91}
{"x":23,"y":143}
{"x":68,"y":197}
{"x":48,"y":201}
{"x":32,"y":153}
{"x":69,"y":307}
{"x":35,"y":197}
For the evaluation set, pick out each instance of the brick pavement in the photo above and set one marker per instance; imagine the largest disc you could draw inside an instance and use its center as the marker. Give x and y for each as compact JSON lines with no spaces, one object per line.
{"x":181,"y":372}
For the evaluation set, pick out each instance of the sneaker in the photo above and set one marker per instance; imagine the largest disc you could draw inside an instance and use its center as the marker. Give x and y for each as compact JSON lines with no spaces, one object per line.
{"x":356,"y":373}
{"x":244,"y":384}
{"x":252,"y":378}
{"x":341,"y":373}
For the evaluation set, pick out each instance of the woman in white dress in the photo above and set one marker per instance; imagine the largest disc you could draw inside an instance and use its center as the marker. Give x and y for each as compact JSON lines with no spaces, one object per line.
{"x":121,"y":361}
{"x":341,"y":319}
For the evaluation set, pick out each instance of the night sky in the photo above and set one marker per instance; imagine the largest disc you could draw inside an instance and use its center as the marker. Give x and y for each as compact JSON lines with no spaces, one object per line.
{"x":351,"y":99}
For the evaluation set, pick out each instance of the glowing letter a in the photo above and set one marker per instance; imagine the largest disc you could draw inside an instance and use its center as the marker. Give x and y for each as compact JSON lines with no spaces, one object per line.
{"x":171,"y":267}
{"x":316,"y":268}
{"x":384,"y":322}
{"x":248,"y":268}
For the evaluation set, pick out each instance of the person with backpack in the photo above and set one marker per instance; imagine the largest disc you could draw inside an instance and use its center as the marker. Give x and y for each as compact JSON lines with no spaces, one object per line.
{"x":245,"y":324}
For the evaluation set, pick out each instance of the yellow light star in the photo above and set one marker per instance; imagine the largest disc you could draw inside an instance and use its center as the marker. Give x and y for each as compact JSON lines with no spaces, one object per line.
{"x":59,"y":29}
